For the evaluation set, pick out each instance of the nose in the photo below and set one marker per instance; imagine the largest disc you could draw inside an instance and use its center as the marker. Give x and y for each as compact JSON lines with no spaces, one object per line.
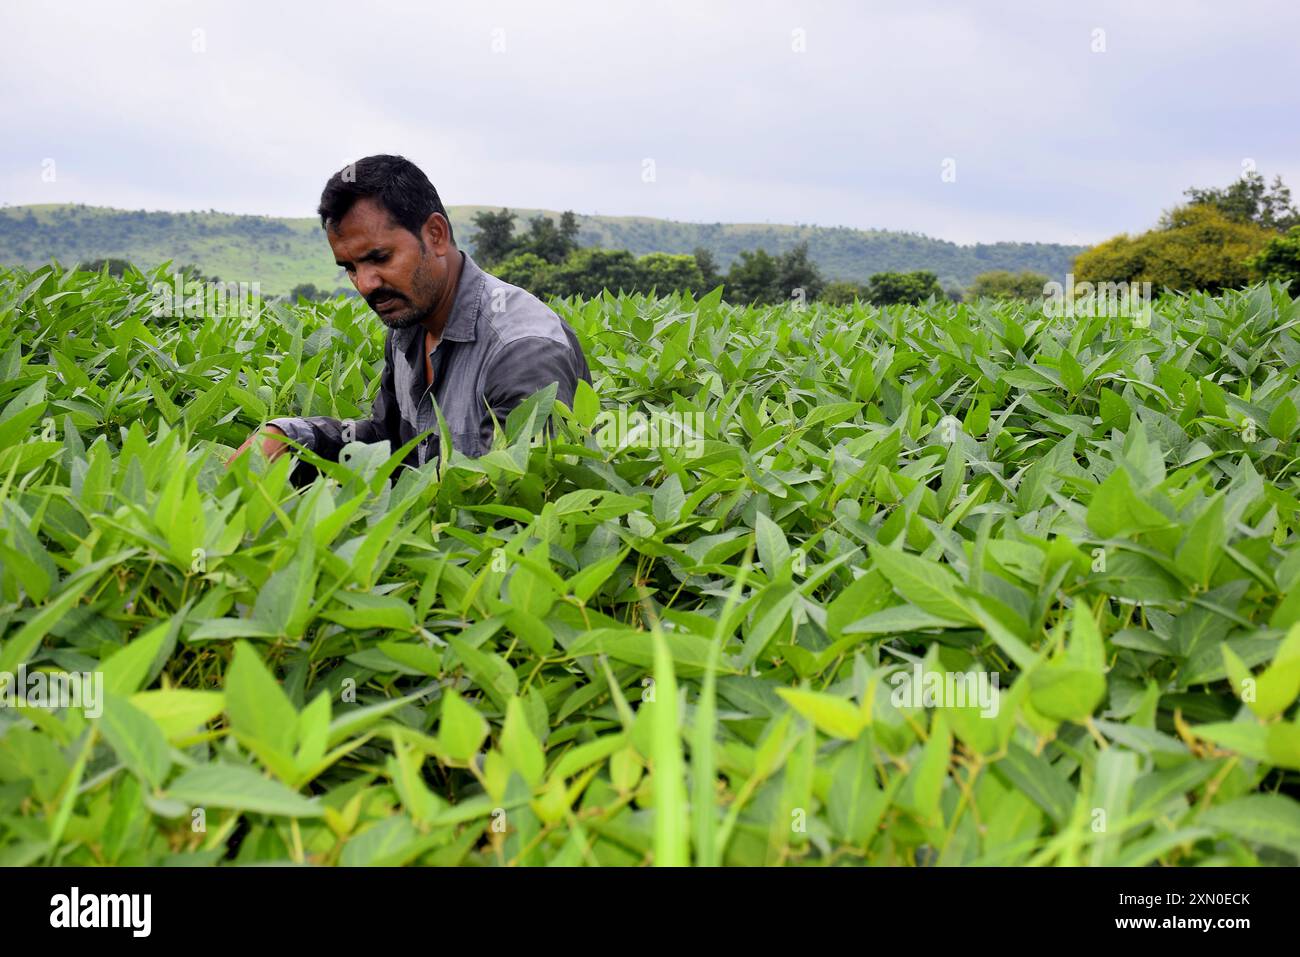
{"x":368,"y":280}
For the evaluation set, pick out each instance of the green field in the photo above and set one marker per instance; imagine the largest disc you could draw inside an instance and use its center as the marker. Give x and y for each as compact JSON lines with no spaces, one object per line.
{"x":282,"y":253}
{"x":581,"y":651}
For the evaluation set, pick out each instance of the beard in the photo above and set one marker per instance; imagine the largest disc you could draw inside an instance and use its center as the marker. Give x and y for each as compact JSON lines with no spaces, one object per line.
{"x":402,"y":318}
{"x":412,"y":309}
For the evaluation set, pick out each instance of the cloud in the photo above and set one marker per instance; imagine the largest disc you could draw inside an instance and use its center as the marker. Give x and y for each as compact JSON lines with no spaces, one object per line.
{"x":819,"y":113}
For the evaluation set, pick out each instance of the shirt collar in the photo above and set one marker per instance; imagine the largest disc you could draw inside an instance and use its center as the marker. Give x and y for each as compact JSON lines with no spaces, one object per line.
{"x":462,"y":324}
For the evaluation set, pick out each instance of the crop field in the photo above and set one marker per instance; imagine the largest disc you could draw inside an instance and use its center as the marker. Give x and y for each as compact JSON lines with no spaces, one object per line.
{"x":943,"y":585}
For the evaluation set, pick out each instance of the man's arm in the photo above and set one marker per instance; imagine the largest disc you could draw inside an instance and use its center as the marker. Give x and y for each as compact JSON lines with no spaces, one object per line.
{"x":326,"y":435}
{"x":523,"y":367}
{"x":272,"y":447}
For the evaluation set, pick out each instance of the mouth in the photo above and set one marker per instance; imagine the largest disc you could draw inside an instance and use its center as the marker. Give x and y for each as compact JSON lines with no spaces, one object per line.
{"x":387,"y":304}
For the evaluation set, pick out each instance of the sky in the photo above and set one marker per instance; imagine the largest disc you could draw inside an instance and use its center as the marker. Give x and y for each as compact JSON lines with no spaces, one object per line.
{"x":981,"y":121}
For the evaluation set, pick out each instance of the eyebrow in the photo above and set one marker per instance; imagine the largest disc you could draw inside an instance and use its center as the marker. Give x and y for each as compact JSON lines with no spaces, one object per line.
{"x":368,"y":257}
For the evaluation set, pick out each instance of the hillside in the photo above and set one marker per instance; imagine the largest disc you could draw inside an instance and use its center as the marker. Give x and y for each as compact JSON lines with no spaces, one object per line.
{"x":281,"y":252}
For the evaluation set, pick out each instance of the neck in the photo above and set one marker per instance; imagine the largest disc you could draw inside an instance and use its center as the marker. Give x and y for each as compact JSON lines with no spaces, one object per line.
{"x":437,"y":320}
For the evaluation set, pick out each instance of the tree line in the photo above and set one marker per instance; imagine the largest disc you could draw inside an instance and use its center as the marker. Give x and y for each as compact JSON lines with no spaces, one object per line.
{"x":545,"y":259}
{"x":1222,"y":238}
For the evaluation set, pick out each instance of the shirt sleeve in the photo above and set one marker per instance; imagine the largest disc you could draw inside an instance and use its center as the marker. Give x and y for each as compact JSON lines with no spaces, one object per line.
{"x":526,"y":366}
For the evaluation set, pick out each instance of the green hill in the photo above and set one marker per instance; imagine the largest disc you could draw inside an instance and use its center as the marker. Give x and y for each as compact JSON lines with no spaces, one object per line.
{"x":281,"y":253}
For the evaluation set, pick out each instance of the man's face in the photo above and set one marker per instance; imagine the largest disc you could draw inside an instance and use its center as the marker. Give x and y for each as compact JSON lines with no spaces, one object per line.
{"x":401,"y":281}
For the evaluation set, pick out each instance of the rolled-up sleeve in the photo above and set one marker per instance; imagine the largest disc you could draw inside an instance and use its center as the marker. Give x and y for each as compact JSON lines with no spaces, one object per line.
{"x":296,"y":428}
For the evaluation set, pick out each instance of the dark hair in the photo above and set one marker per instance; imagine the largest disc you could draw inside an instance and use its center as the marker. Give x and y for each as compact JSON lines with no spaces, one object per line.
{"x":398,"y":184}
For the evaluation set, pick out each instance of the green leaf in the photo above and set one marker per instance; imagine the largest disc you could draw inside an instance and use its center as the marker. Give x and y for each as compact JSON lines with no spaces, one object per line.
{"x":490,"y":672}
{"x":179,"y":712}
{"x":357,"y":720}
{"x":585,"y":755}
{"x":520,"y":747}
{"x":927,"y":778}
{"x":1202,"y":547}
{"x":312,"y":733}
{"x":18,"y":649}
{"x":1273,"y":691}
{"x":857,"y":803}
{"x":462,"y":729}
{"x":773,"y":549}
{"x":668,"y":500}
{"x":414,"y":655}
{"x":832,"y":715}
{"x":1116,"y":773}
{"x":220,"y":628}
{"x":585,"y":583}
{"x":283,"y":602}
{"x":1282,"y":420}
{"x":139,"y":742}
{"x":198,"y":412}
{"x":530,"y":591}
{"x":240,"y":789}
{"x":586,"y":403}
{"x":388,"y":843}
{"x":1271,"y":820}
{"x":126,"y":669}
{"x":1117,"y":509}
{"x":1070,"y":687}
{"x":1038,"y":780}
{"x":261,"y":716}
{"x":671,"y":834}
{"x":361,"y":611}
{"x":928,"y":585}
{"x":689,"y":653}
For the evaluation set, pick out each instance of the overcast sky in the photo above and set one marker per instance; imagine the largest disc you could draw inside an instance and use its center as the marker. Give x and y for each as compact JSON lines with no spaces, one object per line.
{"x":1054,"y":121}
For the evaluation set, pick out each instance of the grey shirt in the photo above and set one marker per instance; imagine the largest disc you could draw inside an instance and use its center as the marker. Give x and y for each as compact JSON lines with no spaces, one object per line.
{"x":499,"y":346}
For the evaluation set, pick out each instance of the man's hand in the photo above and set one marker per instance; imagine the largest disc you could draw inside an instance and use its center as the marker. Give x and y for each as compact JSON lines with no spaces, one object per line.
{"x":272,"y":447}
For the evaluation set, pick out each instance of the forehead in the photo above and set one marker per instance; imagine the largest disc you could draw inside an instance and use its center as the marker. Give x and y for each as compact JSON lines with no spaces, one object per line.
{"x":367,"y":223}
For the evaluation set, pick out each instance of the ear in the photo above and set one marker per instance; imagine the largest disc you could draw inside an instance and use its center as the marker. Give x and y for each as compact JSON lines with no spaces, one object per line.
{"x":436,"y":231}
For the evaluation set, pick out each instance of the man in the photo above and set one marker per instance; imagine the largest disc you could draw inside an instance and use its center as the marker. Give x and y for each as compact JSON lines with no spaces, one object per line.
{"x":475,"y":344}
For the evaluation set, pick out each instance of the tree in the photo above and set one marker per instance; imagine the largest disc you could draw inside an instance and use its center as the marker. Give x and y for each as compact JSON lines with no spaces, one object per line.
{"x":754,"y":277}
{"x":840,"y":292}
{"x":194,"y":273}
{"x":1248,"y":200}
{"x":892,"y":288}
{"x":116,"y":267}
{"x":306,"y":291}
{"x":549,"y":241}
{"x":667,"y":273}
{"x":708,"y":266}
{"x":528,"y":271}
{"x":1004,"y":284}
{"x":1280,"y":259}
{"x":1197,"y":247}
{"x":495,"y":239}
{"x":588,"y":272}
{"x":569,"y":228}
{"x":795,"y":271}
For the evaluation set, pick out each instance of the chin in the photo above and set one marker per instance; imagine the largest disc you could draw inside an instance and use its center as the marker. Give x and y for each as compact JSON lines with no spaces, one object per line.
{"x":400,"y":320}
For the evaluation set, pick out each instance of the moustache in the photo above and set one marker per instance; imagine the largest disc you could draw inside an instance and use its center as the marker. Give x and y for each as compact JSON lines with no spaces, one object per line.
{"x":376,"y":298}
